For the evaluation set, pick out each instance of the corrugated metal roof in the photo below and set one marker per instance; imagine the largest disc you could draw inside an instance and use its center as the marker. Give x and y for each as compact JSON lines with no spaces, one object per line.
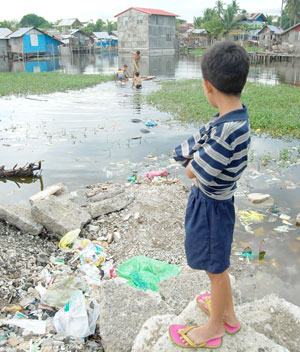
{"x":296,"y":27}
{"x":19,"y":32}
{"x":275,"y":29}
{"x":68,"y":22}
{"x":149,"y":11}
{"x":102,"y":35}
{"x":4,"y":32}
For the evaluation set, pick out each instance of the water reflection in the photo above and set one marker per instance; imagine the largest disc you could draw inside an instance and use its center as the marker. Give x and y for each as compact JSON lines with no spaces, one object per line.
{"x":18,"y":181}
{"x":163,"y":67}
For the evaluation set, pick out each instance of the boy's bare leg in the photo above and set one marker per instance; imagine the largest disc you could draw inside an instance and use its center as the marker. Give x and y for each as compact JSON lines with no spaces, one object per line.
{"x":220,"y":289}
{"x":229,"y":314}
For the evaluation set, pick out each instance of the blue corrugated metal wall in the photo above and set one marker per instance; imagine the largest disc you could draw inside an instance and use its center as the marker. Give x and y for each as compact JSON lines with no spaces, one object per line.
{"x":46,"y":45}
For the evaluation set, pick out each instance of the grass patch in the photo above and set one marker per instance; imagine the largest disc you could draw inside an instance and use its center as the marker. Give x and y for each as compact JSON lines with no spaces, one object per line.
{"x":274,"y":110}
{"x":197,"y":51}
{"x":253,"y":48}
{"x":22,"y":83}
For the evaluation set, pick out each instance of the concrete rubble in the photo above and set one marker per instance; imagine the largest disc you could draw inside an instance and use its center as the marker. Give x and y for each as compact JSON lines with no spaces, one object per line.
{"x":122,"y":221}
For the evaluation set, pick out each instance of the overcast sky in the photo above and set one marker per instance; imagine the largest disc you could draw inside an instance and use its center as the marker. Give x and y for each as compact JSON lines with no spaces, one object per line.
{"x":94,"y":9}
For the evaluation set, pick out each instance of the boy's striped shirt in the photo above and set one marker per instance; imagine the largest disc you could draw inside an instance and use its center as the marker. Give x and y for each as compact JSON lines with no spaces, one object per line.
{"x":219,"y":153}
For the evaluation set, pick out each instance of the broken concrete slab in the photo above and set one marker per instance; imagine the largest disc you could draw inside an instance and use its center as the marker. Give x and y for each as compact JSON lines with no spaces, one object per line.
{"x":106,"y":195}
{"x":257,"y":198}
{"x":110,"y":205}
{"x":20,"y":216}
{"x":175,"y":292}
{"x":246,"y":340}
{"x":58,"y":187}
{"x":124,"y":306}
{"x":59,"y":216}
{"x":273,"y":311}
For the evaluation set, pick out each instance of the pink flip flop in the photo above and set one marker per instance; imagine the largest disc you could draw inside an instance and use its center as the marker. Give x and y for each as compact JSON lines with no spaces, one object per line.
{"x":176,"y":336}
{"x":228,"y":328}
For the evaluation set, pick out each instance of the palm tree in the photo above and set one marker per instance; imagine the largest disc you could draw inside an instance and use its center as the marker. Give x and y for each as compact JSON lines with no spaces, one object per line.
{"x":293,"y":10}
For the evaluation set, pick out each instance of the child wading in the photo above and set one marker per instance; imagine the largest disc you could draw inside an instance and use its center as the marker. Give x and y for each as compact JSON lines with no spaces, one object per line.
{"x":137,"y":81}
{"x":215,"y":158}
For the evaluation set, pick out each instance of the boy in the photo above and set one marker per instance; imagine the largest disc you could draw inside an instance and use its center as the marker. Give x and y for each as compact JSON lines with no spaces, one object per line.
{"x":137,"y":81}
{"x":125,"y":72}
{"x":136,"y":59}
{"x":215,"y":158}
{"x":120,"y":76}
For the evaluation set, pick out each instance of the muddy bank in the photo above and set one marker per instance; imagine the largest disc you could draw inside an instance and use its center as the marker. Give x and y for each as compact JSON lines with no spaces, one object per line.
{"x":151,"y":224}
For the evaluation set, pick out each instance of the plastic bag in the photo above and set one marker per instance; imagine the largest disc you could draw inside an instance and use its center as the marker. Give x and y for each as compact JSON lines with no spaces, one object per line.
{"x":146,"y":273}
{"x":92,"y":254}
{"x":77,"y":318}
{"x":67,"y":241}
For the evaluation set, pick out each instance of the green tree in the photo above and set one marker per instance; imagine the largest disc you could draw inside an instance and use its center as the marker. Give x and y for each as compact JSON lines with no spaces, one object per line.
{"x":99,"y":26}
{"x":12,"y":25}
{"x":292,"y":8}
{"x":32,"y":20}
{"x":179,"y":22}
{"x":110,"y":26}
{"x":198,"y":22}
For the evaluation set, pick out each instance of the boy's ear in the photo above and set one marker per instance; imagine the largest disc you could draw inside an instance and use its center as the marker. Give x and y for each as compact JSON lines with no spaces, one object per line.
{"x":207,"y":85}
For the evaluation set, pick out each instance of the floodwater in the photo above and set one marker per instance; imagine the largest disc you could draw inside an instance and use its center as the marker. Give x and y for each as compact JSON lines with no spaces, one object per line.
{"x":87,"y":137}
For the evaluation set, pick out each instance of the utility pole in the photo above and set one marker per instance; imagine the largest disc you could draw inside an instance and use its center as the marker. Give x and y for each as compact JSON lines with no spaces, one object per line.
{"x":282,"y":2}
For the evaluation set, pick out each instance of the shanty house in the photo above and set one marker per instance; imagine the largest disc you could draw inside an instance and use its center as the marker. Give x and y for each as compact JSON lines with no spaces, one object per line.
{"x":103,"y":40}
{"x":291,"y":35}
{"x":31,"y":42}
{"x":69,"y":24}
{"x":253,"y":19}
{"x":148,"y":30}
{"x":4,"y":32}
{"x":269,"y":35}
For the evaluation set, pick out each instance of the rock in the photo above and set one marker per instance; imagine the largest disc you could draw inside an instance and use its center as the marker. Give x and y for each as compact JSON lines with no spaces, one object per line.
{"x":286,"y":334}
{"x":110,"y":205}
{"x":157,"y":338}
{"x":156,"y":325}
{"x":23,"y":346}
{"x":257,"y":198}
{"x":79,"y":197}
{"x":105,"y":195}
{"x":59,"y":216}
{"x":118,"y":302}
{"x":20,"y":216}
{"x":298,"y":220}
{"x":48,"y":192}
{"x":13,"y":341}
{"x":174,"y":289}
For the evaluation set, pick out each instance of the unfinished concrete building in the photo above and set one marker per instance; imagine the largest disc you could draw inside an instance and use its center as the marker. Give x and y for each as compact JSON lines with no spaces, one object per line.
{"x":151,"y":31}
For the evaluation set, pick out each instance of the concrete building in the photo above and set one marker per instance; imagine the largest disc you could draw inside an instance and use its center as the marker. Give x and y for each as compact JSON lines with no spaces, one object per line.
{"x":4,"y":41}
{"x":151,"y":31}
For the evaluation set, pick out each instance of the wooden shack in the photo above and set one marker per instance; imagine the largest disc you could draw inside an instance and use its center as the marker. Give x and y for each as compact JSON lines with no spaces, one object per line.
{"x":269,"y":35}
{"x":4,"y":32}
{"x":69,"y":24}
{"x":31,"y":42}
{"x":291,"y":35}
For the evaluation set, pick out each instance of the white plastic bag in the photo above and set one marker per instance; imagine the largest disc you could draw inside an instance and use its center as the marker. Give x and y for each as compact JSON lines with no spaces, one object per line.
{"x":77,"y":318}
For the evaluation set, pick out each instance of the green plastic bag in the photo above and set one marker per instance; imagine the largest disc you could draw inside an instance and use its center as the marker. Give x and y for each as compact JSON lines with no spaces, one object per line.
{"x":146,"y":273}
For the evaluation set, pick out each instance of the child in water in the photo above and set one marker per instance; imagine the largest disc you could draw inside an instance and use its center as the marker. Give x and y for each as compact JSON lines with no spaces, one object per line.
{"x":137,"y":81}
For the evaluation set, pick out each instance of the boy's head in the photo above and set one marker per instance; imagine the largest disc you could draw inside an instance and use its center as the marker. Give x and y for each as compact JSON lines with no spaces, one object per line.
{"x":138,"y":52}
{"x":226,"y":65}
{"x":125,"y":68}
{"x":137,"y":74}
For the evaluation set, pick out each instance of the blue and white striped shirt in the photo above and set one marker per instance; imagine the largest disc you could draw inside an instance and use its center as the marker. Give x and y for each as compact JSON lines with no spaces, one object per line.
{"x":219,"y":153}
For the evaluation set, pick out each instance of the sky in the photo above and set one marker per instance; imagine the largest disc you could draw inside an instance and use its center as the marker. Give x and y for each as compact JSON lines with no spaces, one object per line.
{"x":93,"y":9}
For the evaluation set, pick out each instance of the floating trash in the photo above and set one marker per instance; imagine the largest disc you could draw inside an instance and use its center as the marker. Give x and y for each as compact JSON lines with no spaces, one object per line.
{"x":251,"y":216}
{"x":282,"y":229}
{"x":150,"y":123}
{"x":262,"y":250}
{"x":136,"y":120}
{"x":247,"y":253}
{"x":144,"y":130}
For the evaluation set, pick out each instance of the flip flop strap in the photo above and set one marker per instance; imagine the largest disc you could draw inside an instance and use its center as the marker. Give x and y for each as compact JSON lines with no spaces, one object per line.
{"x":187,"y":339}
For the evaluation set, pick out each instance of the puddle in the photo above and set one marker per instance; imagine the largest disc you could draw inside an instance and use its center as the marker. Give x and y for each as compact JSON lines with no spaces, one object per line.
{"x":88,"y":137}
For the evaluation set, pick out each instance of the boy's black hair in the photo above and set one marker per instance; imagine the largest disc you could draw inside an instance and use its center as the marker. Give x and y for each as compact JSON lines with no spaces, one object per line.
{"x":226,"y":65}
{"x":125,"y":66}
{"x":138,"y":52}
{"x":137,"y":74}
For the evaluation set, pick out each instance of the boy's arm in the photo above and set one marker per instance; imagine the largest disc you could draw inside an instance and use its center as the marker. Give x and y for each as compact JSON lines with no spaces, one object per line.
{"x":210,"y":159}
{"x":184,"y":152}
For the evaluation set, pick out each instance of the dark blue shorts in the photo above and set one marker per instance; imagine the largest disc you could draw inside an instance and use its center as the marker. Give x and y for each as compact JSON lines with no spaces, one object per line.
{"x":209,"y":226}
